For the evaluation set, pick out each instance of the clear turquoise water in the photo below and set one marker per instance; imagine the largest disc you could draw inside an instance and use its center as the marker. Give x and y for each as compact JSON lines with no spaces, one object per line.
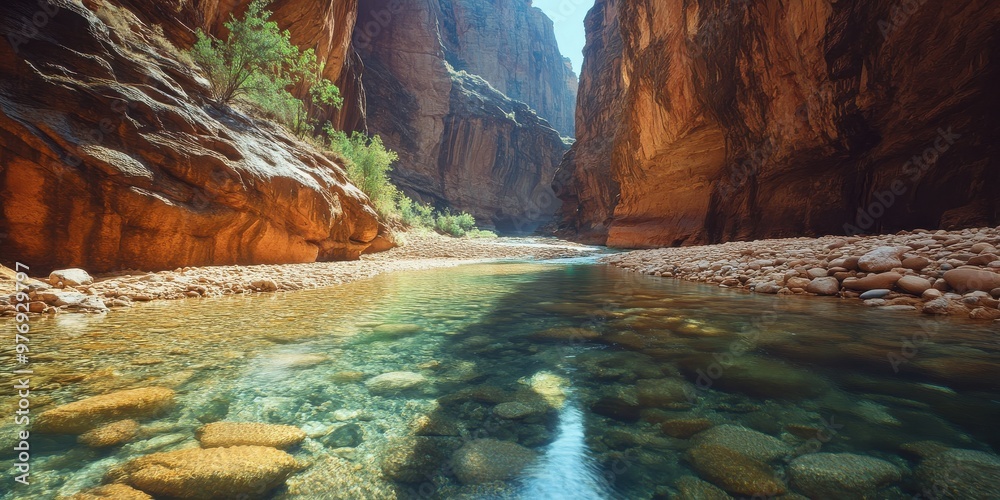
{"x":873,"y":380}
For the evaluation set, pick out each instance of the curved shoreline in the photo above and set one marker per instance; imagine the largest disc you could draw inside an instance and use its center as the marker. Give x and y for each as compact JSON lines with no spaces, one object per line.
{"x":907,"y":271}
{"x":423,"y":251}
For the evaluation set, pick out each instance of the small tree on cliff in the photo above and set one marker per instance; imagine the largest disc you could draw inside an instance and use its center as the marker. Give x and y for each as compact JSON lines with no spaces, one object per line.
{"x":257,"y":61}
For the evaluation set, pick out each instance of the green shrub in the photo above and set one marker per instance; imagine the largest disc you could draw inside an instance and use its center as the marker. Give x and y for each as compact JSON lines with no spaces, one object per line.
{"x":368,"y":164}
{"x":455,"y":225}
{"x":258,"y":62}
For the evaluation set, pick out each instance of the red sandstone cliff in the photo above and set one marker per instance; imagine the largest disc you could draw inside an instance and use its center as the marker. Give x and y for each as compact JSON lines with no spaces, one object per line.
{"x":706,"y":121}
{"x":109,"y":158}
{"x":463,"y":144}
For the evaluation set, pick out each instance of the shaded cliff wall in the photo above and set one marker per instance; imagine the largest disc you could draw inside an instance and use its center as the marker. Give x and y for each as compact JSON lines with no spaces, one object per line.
{"x":709,"y":120}
{"x":463,"y":144}
{"x":513,"y":46}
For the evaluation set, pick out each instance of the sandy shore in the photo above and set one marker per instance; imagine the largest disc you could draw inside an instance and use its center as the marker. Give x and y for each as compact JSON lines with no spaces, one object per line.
{"x":933,"y":272}
{"x":422,"y":251}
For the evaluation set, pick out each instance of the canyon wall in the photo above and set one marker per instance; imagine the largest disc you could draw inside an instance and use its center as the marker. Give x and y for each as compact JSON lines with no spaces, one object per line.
{"x":110,"y":157}
{"x":711,"y":120}
{"x":463,"y":143}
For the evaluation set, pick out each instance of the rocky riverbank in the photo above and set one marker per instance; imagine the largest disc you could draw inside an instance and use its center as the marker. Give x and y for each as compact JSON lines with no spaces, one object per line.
{"x":77,"y":291}
{"x":934,"y":272}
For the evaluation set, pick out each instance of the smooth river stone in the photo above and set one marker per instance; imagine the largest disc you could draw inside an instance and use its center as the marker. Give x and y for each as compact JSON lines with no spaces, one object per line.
{"x":874,"y":282}
{"x":875,"y":294}
{"x":199,"y":473}
{"x":880,"y":260}
{"x":914,"y":284}
{"x":734,"y":472}
{"x":747,"y":442}
{"x":841,"y":475}
{"x":81,"y":416}
{"x":393,"y":382}
{"x":224,"y":434}
{"x":487,"y":460}
{"x":965,"y":473}
{"x":970,"y":280}
{"x":824,"y":286}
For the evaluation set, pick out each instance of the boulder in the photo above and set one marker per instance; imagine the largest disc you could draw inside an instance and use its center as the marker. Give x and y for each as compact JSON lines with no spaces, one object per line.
{"x":841,"y":475}
{"x":112,"y":434}
{"x":880,"y":260}
{"x":969,"y":280}
{"x":81,"y":416}
{"x":70,"y":277}
{"x":225,"y":434}
{"x":747,"y":442}
{"x":486,"y":460}
{"x":959,"y":474}
{"x":824,"y":286}
{"x":873,"y":282}
{"x":684,"y":428}
{"x":393,"y":382}
{"x":111,"y":492}
{"x":200,"y":473}
{"x":914,"y":284}
{"x":916,"y":263}
{"x":735,"y":472}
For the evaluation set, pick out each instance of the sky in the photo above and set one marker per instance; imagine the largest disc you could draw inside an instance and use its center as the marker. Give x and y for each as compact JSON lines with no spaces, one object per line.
{"x":568,"y":15}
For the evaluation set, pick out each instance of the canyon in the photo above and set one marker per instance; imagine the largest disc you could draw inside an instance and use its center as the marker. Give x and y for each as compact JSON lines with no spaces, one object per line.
{"x":704,"y":121}
{"x":113,"y":150}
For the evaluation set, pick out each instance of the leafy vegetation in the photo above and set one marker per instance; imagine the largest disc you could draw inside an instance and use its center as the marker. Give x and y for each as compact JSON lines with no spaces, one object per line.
{"x":258,"y":64}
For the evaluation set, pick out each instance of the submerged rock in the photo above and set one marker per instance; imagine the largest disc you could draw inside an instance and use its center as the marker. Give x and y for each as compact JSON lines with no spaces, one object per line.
{"x":516,"y":410}
{"x":393,"y":330}
{"x":485,"y":460}
{"x":345,"y":436}
{"x":393,"y":382}
{"x":414,"y":459}
{"x":112,"y":492}
{"x":734,"y":472}
{"x":81,"y":416}
{"x":112,"y":434}
{"x":197,"y":473}
{"x":225,"y":434}
{"x":959,"y":474}
{"x":747,"y":442}
{"x":692,"y":488}
{"x":684,"y":428}
{"x":841,"y":475}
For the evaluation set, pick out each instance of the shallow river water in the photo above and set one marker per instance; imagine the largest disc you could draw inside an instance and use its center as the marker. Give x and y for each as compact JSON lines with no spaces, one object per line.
{"x":603,"y":374}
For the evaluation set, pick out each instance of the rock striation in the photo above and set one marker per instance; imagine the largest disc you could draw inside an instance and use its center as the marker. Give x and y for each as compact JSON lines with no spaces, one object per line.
{"x":463,"y":142}
{"x":112,"y":159}
{"x":703,"y":121}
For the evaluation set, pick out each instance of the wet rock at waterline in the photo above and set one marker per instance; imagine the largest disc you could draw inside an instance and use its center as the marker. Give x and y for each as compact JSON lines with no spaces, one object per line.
{"x":486,"y":460}
{"x":70,"y":277}
{"x":81,"y":416}
{"x":841,"y":475}
{"x":226,"y":434}
{"x":211,"y":473}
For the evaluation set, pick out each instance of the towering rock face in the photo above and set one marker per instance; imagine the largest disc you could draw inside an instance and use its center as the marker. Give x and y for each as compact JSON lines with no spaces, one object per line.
{"x":705,"y":120}
{"x":463,"y":144}
{"x":512,"y":46}
{"x":110,"y":158}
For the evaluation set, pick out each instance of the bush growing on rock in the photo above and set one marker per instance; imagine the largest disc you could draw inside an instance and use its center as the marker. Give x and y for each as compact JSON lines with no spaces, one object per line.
{"x":259,"y":63}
